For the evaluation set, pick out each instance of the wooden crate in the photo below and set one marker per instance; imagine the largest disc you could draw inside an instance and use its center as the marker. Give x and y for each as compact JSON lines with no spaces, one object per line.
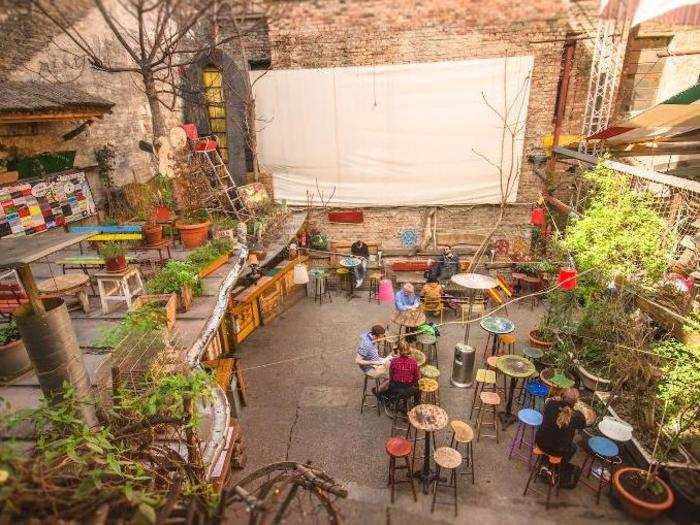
{"x":271,"y":301}
{"x":246,"y":318}
{"x":168,"y":300}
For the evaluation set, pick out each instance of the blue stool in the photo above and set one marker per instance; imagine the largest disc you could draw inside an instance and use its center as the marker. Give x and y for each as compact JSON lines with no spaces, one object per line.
{"x":535,"y":394}
{"x":606,"y":453}
{"x":528,"y":419}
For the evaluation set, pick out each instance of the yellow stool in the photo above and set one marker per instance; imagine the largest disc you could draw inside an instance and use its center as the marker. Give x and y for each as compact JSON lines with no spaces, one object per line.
{"x":429,"y":391}
{"x":491,"y":363}
{"x":430,"y":372}
{"x":343,"y":279}
{"x":507,"y":341}
{"x":485,"y":380}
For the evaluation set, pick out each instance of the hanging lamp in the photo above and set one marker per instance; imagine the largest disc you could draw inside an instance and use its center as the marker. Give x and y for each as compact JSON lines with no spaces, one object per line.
{"x":567,"y":278}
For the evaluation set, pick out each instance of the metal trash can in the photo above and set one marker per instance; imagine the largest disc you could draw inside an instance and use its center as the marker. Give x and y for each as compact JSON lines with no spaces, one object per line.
{"x":314,"y":274}
{"x":463,"y":366}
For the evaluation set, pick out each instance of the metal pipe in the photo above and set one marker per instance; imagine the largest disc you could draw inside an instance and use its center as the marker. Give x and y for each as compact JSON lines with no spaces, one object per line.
{"x":562,"y":95}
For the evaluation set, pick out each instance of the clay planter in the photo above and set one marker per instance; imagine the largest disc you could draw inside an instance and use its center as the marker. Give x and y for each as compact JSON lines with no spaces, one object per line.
{"x":591,"y":381}
{"x":193,"y":235}
{"x":537,"y":342}
{"x":184,"y":299}
{"x":214,"y":265}
{"x":153,"y":234}
{"x":639,"y":508}
{"x":116,"y":264}
{"x":14,"y":360}
{"x":166,"y":300}
{"x":545,"y":377}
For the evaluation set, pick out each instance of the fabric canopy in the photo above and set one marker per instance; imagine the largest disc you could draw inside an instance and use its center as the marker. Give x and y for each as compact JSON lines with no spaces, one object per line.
{"x":674,"y":116}
{"x":683,"y":12}
{"x":408,"y":134}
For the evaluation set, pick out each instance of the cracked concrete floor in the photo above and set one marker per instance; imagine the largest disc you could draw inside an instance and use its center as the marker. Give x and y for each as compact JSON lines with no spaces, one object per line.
{"x":304,"y":396}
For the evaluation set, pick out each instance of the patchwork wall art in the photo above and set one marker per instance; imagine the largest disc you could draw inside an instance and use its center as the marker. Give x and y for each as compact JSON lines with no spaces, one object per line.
{"x":32,"y":206}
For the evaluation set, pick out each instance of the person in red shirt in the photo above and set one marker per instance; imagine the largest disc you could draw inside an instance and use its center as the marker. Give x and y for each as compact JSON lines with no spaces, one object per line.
{"x":403,"y":376}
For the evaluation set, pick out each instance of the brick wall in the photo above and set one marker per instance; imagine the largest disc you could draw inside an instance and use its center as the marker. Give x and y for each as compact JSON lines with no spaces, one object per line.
{"x":314,"y":34}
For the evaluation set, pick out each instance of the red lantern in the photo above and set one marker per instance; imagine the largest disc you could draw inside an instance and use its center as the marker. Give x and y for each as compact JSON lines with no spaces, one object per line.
{"x":567,"y":278}
{"x":537,"y":217}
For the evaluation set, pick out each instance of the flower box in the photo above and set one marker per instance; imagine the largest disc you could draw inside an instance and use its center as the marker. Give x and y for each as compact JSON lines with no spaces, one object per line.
{"x":410,"y":266}
{"x":214,"y":265}
{"x":167,"y":300}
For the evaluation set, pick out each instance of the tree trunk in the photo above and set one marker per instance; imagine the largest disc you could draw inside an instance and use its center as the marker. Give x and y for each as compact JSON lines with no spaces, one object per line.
{"x":157,"y":122}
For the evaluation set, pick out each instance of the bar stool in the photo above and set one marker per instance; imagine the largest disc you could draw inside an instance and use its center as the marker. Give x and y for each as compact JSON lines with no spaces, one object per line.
{"x":535,"y":394}
{"x":554,"y":463}
{"x":533,"y":354}
{"x":374,"y":279}
{"x":606,"y":453}
{"x":398,"y":448}
{"x":343,"y":279}
{"x":484,"y":380}
{"x":430,"y":372}
{"x":429,"y":391}
{"x":446,"y":458}
{"x":321,"y":289}
{"x":462,"y":434}
{"x":491,"y":364}
{"x":428,"y":344}
{"x":375,"y":375}
{"x":528,"y":420}
{"x":487,"y":399}
{"x":506,"y":343}
{"x":400,"y":405}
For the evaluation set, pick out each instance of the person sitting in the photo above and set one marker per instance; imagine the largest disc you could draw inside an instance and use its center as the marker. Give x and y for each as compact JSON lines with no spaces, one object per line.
{"x":361,"y":250}
{"x":559,"y":422}
{"x":403,"y":376}
{"x":446,"y":265}
{"x":406,"y":298}
{"x":368,"y":350}
{"x":434,"y":291}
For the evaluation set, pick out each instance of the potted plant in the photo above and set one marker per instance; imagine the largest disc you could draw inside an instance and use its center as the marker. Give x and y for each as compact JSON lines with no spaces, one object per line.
{"x":208,"y":258}
{"x":114,"y":254}
{"x":180,"y":278}
{"x":224,"y":227}
{"x":166,"y":301}
{"x":193,"y":229}
{"x":14,"y":359}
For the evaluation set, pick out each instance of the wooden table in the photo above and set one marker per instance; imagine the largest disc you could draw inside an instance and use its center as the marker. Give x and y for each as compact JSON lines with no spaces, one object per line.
{"x":408,"y":319}
{"x":67,"y":284}
{"x":428,"y":419}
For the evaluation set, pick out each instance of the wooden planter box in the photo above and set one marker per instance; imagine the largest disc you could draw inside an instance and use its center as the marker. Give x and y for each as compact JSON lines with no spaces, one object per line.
{"x":184,"y":299}
{"x":167,"y":300}
{"x":214,"y":265}
{"x":409,"y":266}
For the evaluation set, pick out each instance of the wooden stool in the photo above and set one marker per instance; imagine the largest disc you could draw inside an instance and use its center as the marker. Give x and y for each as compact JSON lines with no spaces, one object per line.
{"x":375,"y":375}
{"x":484,"y":380}
{"x":462,"y":434}
{"x":400,"y":405}
{"x":554,"y":463}
{"x":74,"y":284}
{"x":430,"y":372}
{"x":528,"y":419}
{"x":343,"y":279}
{"x":398,"y":448}
{"x":429,"y":391}
{"x":428,"y":344}
{"x":447,"y":458}
{"x":487,"y":399}
{"x":506,"y":343}
{"x":606,"y":453}
{"x":491,"y":364}
{"x":374,"y":279}
{"x":321,"y":289}
{"x":535,"y":393}
{"x":119,"y":287}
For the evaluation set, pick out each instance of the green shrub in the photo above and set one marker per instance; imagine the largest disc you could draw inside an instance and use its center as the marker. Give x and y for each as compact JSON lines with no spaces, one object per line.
{"x":147,"y":318}
{"x":173,"y":276}
{"x":205,"y":255}
{"x":112,"y":250}
{"x":9,"y":333}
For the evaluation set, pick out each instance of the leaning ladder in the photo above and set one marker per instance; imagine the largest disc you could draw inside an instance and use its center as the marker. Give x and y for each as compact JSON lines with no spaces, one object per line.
{"x":225,"y":191}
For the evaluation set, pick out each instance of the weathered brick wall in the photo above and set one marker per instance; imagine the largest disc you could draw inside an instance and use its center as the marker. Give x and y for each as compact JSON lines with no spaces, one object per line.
{"x":314,"y":34}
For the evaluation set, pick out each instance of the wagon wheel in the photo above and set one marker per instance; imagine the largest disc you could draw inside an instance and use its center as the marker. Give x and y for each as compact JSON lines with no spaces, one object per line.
{"x":502,"y":246}
{"x":285,"y":492}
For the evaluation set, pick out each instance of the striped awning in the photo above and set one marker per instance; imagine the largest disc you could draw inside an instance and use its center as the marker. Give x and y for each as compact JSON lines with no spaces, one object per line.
{"x":674,"y":116}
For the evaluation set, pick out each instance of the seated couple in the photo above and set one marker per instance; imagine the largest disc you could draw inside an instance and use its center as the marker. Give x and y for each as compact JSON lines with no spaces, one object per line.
{"x":403,"y":369}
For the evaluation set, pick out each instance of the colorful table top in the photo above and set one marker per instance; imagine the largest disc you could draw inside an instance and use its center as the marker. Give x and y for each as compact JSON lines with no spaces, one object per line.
{"x":515,"y":366}
{"x":428,"y":417}
{"x":497,"y":325}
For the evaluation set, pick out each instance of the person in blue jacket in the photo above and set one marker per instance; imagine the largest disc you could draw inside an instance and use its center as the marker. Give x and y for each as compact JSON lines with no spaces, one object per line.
{"x":406,"y":298}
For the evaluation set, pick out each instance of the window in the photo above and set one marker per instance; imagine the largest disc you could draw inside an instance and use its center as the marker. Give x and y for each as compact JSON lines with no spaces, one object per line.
{"x":216,"y":107}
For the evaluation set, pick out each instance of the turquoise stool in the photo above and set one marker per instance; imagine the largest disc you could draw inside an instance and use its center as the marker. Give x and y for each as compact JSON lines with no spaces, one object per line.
{"x":528,"y":419}
{"x":607,"y":454}
{"x":535,"y":394}
{"x":533,"y":354}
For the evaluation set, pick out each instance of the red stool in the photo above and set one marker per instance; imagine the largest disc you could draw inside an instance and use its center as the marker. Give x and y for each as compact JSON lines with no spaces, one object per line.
{"x":397,"y":448}
{"x":554,"y":463}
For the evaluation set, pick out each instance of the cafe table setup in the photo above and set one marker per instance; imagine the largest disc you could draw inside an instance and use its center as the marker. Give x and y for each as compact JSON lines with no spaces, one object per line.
{"x":428,"y":419}
{"x":496,"y":326}
{"x":473,"y":282}
{"x":516,"y":368}
{"x":350,"y":263}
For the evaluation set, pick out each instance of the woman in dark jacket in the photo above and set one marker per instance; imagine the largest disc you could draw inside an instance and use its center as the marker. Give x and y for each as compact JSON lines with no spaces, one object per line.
{"x":559,"y":423}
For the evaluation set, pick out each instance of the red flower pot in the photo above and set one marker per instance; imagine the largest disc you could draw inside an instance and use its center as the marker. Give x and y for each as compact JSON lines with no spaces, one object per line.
{"x":193,"y":235}
{"x":633,"y":505}
{"x":116,"y":264}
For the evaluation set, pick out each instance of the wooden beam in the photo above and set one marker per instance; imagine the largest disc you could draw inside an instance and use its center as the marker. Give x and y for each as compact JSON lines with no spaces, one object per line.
{"x":639,"y":150}
{"x":19,"y":118}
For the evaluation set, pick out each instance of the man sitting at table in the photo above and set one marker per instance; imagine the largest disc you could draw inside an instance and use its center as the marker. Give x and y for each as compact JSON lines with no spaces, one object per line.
{"x":406,"y":298}
{"x":368,"y":351}
{"x":559,"y":423}
{"x":360,"y":249}
{"x":403,"y":376}
{"x":446,"y":265}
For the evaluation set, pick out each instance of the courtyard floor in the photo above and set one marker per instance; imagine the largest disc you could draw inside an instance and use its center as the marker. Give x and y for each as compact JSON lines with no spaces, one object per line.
{"x":304,"y":394}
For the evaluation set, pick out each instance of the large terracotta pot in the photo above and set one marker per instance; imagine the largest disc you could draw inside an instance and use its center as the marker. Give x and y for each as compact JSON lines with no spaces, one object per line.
{"x":153,"y":234}
{"x":193,"y":235}
{"x":116,"y":264}
{"x":14,"y":359}
{"x":638,"y":508}
{"x":537,"y":342}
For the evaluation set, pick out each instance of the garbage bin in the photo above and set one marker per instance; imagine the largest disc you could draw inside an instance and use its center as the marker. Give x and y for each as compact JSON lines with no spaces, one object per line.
{"x":463,"y":366}
{"x":314,"y":274}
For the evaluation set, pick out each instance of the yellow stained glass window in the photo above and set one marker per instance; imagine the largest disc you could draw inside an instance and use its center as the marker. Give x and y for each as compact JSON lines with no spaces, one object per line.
{"x":216,"y":108}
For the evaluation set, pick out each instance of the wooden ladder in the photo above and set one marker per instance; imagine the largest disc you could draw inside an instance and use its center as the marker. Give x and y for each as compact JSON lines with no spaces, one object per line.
{"x":225,"y":190}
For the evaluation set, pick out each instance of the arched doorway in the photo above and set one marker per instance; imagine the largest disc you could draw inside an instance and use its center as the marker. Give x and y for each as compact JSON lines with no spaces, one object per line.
{"x":216,"y":107}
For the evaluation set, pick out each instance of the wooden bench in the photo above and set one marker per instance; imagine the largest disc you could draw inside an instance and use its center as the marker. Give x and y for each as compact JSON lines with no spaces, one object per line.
{"x":84,"y":262}
{"x":11,"y":296}
{"x":130,"y":232}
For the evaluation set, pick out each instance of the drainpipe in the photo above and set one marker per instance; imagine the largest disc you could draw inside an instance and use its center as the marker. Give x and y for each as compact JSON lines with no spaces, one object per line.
{"x":569,"y":50}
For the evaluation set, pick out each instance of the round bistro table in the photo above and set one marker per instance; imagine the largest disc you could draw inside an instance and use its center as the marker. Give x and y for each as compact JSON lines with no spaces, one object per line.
{"x":408,"y":319}
{"x":515,"y":367}
{"x":497,"y":326}
{"x":67,"y":284}
{"x":427,"y":419}
{"x":472,"y":282}
{"x":350,"y":263}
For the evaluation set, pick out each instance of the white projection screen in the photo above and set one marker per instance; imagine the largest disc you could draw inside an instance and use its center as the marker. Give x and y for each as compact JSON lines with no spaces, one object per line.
{"x":407,"y":134}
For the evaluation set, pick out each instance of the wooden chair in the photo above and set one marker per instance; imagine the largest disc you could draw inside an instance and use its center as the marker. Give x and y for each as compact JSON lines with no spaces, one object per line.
{"x":433,"y":306}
